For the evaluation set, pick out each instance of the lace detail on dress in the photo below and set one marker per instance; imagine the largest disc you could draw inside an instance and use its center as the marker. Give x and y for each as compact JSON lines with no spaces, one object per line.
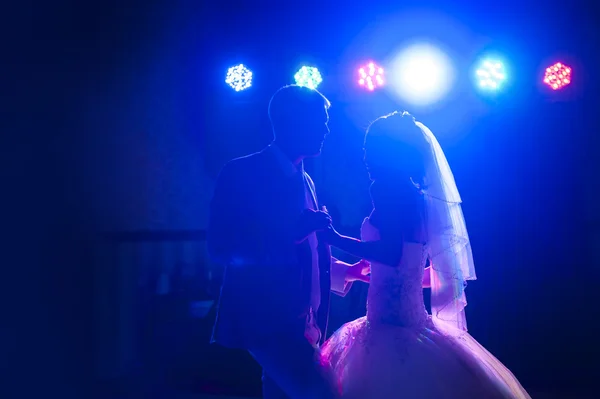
{"x":396,"y":293}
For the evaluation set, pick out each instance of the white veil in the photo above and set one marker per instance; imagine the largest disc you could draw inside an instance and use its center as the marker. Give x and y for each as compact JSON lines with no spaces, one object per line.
{"x":448,"y":240}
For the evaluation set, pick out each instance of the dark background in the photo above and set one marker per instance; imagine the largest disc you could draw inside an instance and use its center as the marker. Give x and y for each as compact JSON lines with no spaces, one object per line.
{"x":115,"y":119}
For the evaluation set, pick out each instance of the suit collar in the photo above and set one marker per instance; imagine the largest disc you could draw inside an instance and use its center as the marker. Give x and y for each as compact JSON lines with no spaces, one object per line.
{"x":286,"y":166}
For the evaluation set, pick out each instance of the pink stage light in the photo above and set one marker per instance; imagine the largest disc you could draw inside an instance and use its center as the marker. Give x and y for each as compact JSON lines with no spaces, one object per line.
{"x":557,"y":76}
{"x":370,"y":76}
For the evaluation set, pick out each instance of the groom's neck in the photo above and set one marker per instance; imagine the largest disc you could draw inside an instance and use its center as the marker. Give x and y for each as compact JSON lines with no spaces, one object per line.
{"x":290,"y":153}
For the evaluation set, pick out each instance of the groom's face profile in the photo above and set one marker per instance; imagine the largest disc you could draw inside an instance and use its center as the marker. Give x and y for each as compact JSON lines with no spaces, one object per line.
{"x":311,"y":133}
{"x":300,"y":120}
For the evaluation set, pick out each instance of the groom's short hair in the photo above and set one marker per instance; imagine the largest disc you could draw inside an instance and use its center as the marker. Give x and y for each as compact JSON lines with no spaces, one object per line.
{"x":293,"y":103}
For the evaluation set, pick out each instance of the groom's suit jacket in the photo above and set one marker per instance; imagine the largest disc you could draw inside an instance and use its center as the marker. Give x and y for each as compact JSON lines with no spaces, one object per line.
{"x":267,"y":280}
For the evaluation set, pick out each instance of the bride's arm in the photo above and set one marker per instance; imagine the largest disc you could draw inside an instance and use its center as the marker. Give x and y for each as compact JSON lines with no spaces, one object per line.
{"x":374,"y":251}
{"x":387,"y":252}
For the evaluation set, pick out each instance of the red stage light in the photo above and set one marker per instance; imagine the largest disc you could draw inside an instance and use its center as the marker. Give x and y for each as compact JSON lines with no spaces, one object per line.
{"x":557,"y":76}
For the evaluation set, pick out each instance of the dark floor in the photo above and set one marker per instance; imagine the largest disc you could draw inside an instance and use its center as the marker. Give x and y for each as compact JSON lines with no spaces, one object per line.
{"x":533,"y":395}
{"x":176,"y":395}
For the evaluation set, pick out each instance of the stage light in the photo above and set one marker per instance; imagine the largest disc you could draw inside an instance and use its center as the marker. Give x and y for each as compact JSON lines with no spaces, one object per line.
{"x":370,"y":76}
{"x":557,"y":76}
{"x":239,"y":77}
{"x":422,"y":74}
{"x":491,"y":75}
{"x":308,"y":77}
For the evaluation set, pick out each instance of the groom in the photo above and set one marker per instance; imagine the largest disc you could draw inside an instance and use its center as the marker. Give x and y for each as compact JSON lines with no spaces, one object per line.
{"x":264,"y":228}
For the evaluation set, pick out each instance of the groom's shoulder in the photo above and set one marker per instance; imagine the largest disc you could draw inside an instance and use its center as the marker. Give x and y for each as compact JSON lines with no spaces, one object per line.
{"x":247,"y":161}
{"x":243,"y":165}
{"x":253,"y":158}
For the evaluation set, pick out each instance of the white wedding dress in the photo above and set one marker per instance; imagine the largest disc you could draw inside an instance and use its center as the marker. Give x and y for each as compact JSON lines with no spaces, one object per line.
{"x":396,"y":351}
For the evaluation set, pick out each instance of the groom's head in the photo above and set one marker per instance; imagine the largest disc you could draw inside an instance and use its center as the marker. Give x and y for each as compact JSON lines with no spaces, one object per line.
{"x":299,"y":119}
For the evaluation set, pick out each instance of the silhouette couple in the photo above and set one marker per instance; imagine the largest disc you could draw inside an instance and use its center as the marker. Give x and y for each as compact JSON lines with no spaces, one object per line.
{"x":269,"y":231}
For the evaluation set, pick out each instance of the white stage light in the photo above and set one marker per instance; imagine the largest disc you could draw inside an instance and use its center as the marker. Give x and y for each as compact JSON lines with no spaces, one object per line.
{"x":421,"y":74}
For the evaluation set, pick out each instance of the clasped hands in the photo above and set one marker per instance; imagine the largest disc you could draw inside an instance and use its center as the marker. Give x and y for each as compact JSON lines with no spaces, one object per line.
{"x":312,"y":221}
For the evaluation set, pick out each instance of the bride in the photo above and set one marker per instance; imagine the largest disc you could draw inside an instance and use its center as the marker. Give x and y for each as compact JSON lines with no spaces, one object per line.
{"x":397,"y":350}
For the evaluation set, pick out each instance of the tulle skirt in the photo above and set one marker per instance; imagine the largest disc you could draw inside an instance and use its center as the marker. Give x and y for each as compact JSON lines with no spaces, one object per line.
{"x":386,"y":362}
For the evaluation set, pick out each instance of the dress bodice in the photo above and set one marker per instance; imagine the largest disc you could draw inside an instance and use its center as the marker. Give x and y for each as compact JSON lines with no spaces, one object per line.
{"x":396,"y":293}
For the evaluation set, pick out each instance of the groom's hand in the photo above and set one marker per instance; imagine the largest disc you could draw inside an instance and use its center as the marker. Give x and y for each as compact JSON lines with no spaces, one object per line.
{"x":311,"y":221}
{"x":330,"y":235}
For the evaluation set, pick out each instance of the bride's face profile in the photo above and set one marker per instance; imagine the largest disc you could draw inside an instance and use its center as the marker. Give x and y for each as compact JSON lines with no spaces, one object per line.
{"x":381,"y":157}
{"x":394,"y":148}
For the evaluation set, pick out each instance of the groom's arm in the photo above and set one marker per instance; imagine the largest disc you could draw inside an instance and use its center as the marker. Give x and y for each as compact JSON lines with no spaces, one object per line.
{"x":339,"y":271}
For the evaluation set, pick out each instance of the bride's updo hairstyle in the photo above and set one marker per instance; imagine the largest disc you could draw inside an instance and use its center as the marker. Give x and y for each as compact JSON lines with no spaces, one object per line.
{"x":394,"y":145}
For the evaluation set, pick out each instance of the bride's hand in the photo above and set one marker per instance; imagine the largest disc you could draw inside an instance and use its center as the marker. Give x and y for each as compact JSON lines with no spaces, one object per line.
{"x":359,"y":272}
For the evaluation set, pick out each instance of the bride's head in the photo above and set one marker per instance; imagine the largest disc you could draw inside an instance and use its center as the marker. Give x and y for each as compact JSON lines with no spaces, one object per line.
{"x":395,"y":148}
